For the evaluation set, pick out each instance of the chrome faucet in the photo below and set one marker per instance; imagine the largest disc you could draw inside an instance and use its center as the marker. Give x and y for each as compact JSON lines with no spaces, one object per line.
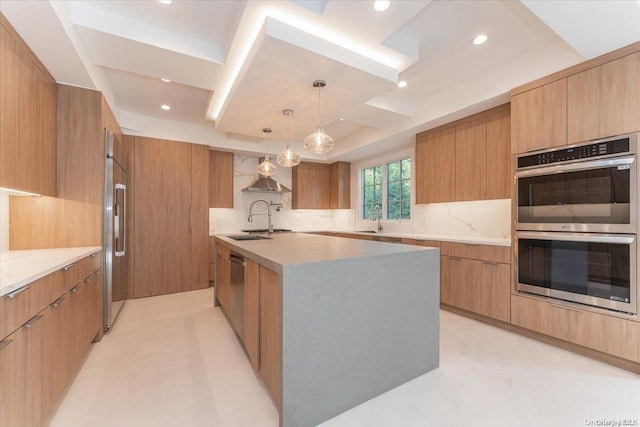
{"x":376,"y":213}
{"x":251,"y":214}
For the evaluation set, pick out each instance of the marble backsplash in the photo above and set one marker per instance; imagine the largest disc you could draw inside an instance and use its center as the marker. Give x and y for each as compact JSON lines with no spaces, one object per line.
{"x":485,"y":218}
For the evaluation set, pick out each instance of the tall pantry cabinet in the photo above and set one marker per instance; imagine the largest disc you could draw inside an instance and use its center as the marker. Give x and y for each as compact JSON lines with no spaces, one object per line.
{"x":171,"y":217}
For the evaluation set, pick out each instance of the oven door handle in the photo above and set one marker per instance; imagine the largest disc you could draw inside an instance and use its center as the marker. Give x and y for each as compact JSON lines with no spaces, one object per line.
{"x":579,"y":166}
{"x":581,"y":237}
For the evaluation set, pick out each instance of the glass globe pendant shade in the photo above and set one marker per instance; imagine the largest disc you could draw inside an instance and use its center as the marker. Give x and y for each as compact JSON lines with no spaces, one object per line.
{"x":288,"y":158}
{"x":267,"y":168}
{"x":319,"y":142}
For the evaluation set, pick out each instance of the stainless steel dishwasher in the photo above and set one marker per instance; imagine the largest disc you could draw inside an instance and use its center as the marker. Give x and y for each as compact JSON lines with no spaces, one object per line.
{"x":237,"y":293}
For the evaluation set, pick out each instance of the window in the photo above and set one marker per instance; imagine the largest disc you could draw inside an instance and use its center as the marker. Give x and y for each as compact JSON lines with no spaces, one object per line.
{"x":390,"y":182}
{"x":371,"y":190}
{"x":399,"y":189}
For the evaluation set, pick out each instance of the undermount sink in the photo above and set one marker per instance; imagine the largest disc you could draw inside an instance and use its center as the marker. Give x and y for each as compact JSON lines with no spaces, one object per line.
{"x":248,"y":237}
{"x":366,"y":231}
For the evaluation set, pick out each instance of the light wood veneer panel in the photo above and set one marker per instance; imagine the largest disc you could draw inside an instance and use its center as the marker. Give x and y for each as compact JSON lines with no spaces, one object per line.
{"x":9,"y":111}
{"x":221,"y":179}
{"x":491,"y":253}
{"x":499,"y":155}
{"x":340,"y":185}
{"x":444,"y":187}
{"x":471,"y":165}
{"x":539,"y":118}
{"x":200,"y":216}
{"x":271,"y":332}
{"x":252,"y":311}
{"x":604,"y":100}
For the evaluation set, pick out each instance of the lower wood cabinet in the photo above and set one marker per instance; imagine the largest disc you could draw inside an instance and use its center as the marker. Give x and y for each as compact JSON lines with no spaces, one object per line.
{"x":608,"y":334}
{"x":476,"y":278}
{"x":41,"y":357}
{"x":270,"y":365}
{"x":21,"y":376}
{"x":252,"y":312}
{"x":223,"y":278}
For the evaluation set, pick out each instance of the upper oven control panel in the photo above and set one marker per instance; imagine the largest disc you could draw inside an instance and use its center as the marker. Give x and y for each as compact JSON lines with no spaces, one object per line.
{"x":598,"y":149}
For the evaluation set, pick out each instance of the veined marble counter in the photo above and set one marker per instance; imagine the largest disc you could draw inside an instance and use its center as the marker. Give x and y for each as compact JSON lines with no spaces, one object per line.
{"x":19,"y":268}
{"x":359,"y":318}
{"x":494,"y":241}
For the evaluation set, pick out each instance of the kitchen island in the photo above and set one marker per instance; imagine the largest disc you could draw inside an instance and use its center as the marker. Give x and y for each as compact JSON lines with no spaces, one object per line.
{"x":331,"y":322}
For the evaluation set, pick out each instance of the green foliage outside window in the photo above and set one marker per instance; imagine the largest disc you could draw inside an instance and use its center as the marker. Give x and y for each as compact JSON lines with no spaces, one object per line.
{"x":399,"y":189}
{"x":371,"y":190}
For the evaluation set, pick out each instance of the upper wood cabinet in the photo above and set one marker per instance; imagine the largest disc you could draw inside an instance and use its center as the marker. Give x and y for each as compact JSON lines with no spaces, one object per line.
{"x":310,"y":186}
{"x":604,"y":100}
{"x":340,"y":185}
{"x":539,"y":118}
{"x":465,"y":160}
{"x":471,"y":160}
{"x":220,"y":179}
{"x":200,"y":215}
{"x":499,"y":155}
{"x":28,"y":116}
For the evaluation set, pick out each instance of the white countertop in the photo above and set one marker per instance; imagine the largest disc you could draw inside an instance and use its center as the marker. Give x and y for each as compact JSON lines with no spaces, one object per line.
{"x":494,"y":241}
{"x":301,"y":248}
{"x":19,"y":268}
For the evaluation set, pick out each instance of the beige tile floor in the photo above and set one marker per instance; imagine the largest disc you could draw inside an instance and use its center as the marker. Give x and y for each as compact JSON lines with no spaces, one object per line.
{"x":174,"y":361}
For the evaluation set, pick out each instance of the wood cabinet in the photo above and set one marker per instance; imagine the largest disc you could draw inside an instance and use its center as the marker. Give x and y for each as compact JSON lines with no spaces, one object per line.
{"x":499,"y":175}
{"x":252,"y":311}
{"x":223,"y":278}
{"x":471,"y":160}
{"x":169,"y":183}
{"x":21,"y":373}
{"x":340,"y":185}
{"x":43,"y":353}
{"x":310,"y":189}
{"x":476,"y":278}
{"x":321,"y":186}
{"x":220,"y":179}
{"x":604,"y":100}
{"x":465,"y":160}
{"x":270,"y":367}
{"x":539,"y":118}
{"x":28,"y":135}
{"x":607,"y":334}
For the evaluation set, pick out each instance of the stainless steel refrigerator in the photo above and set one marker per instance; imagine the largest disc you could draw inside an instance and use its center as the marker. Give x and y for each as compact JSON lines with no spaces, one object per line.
{"x":114,"y":240}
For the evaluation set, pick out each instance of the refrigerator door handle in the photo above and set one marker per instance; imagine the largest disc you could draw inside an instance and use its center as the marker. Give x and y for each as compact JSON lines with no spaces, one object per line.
{"x":121,"y":216}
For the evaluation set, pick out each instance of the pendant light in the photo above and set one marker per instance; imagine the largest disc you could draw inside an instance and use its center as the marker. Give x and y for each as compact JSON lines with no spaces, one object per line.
{"x":266,"y":168}
{"x":319,"y":142}
{"x":288,"y":158}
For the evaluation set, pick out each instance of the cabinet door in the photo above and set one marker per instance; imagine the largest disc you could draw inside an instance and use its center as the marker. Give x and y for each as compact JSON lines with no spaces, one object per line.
{"x":499,"y":155}
{"x":310,"y":186}
{"x":223,"y":283}
{"x":271,"y":332}
{"x":252,"y":311}
{"x":539,"y":118}
{"x":9,"y":111}
{"x":444,"y":176}
{"x":424,"y":169}
{"x":456,"y":282}
{"x":340,"y":185}
{"x":21,"y":376}
{"x":491,"y":290}
{"x":162,"y":217}
{"x":221,"y":179}
{"x":199,"y":216}
{"x":55,"y":377}
{"x":604,"y":100}
{"x":471,"y":160}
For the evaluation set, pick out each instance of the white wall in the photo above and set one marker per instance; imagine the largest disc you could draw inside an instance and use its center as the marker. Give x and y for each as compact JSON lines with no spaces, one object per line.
{"x":485,"y":218}
{"x":4,"y":221}
{"x":233,"y":220}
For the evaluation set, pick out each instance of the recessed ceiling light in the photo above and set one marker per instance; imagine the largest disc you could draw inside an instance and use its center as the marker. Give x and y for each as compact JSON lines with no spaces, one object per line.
{"x":480,"y":39}
{"x":341,"y":119}
{"x":165,"y":107}
{"x":166,"y":80}
{"x":381,"y":5}
{"x":402,"y":83}
{"x":166,"y":1}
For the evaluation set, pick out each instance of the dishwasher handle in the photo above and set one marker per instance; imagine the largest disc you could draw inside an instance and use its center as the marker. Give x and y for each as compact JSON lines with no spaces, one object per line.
{"x":236,"y":259}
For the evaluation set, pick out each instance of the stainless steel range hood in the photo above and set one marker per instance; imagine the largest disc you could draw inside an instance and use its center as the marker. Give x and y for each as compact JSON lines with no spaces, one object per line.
{"x":265,"y":184}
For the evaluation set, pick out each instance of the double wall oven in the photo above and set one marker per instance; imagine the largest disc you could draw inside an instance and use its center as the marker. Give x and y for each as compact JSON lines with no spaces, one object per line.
{"x":576,"y":214}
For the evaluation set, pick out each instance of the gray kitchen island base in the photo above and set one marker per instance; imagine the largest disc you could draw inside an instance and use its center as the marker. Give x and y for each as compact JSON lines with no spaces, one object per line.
{"x":356,"y":328}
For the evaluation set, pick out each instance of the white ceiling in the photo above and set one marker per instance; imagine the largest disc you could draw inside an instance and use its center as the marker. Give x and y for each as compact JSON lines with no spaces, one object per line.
{"x":235,"y":65}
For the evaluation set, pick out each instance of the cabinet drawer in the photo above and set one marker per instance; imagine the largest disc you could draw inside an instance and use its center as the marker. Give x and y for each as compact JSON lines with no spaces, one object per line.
{"x":490,"y":253}
{"x":16,"y":308}
{"x":611,"y":335}
{"x":92,"y":263}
